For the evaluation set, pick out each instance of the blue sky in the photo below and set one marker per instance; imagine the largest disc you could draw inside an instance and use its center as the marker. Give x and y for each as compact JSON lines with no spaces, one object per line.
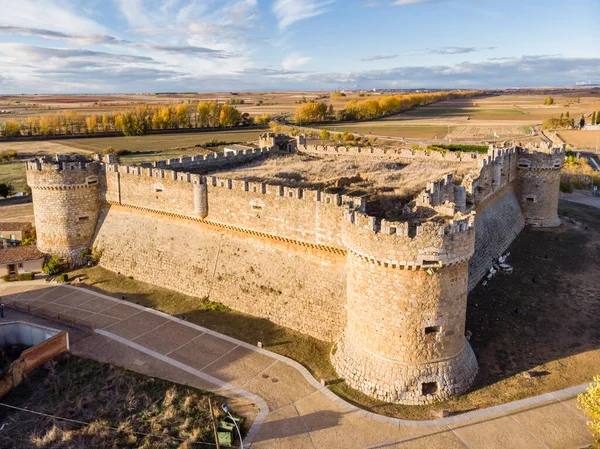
{"x":58,"y":46}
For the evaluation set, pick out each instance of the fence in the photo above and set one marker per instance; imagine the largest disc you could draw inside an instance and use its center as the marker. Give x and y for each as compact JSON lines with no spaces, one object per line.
{"x":47,"y":313}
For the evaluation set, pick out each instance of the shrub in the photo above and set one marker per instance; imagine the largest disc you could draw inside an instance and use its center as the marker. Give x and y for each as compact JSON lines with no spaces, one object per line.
{"x":26,"y":277}
{"x":589,"y":403}
{"x":63,"y":278}
{"x":7,"y":278}
{"x":53,"y":266}
{"x":566,"y":186}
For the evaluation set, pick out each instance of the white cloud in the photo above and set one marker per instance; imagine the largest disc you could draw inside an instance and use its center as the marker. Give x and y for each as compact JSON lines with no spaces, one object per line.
{"x":291,"y":11}
{"x":53,"y":15}
{"x":293,"y":61}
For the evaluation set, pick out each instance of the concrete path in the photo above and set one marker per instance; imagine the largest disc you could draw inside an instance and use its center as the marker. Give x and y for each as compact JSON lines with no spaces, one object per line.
{"x":295,"y":411}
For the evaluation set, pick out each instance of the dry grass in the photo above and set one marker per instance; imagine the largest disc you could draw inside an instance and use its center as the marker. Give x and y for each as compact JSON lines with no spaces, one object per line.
{"x":104,"y":396}
{"x":372,"y":176}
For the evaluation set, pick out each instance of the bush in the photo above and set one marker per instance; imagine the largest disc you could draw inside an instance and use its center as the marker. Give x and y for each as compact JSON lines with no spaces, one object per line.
{"x":63,"y":278}
{"x":465,"y":148}
{"x":53,"y":266}
{"x":7,"y":278}
{"x":589,"y":402}
{"x":26,"y":277}
{"x":566,"y":186}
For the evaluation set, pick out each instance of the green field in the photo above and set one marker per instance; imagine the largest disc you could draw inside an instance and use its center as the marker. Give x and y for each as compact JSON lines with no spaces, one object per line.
{"x":156,"y":142}
{"x":13,"y":173}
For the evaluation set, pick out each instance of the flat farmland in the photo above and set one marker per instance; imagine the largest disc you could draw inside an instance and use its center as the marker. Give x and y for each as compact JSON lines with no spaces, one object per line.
{"x":142,"y":148}
{"x":508,"y":116}
{"x":581,"y":138}
{"x":393,"y":129}
{"x":14,"y":172}
{"x":16,"y":209}
{"x":158,"y":142}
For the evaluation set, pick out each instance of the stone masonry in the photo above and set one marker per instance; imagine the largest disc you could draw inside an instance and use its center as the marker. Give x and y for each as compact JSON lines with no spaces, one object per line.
{"x":392,"y":295}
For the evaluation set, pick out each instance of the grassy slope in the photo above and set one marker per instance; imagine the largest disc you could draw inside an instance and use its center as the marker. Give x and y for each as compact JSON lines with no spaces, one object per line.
{"x":14,"y":173}
{"x":104,"y":395}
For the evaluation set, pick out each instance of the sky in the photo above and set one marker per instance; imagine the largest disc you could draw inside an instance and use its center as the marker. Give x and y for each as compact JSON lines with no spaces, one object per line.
{"x":139,"y":46}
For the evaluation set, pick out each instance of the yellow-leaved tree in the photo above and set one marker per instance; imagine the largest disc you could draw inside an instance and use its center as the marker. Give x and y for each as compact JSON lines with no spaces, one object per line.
{"x":589,"y":402}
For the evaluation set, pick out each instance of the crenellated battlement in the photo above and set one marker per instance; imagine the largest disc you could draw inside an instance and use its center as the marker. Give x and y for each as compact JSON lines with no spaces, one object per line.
{"x":391,"y":294}
{"x":210,"y":161}
{"x":59,"y":164}
{"x":407,"y":245}
{"x":541,"y":157}
{"x":403,"y":153}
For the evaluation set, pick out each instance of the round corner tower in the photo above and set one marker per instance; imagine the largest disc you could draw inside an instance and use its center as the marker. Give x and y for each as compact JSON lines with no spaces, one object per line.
{"x":404,"y":341}
{"x":66,"y":205}
{"x":539,"y":185}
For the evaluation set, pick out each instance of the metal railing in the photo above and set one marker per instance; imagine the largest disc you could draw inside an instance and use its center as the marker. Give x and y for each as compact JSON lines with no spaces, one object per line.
{"x":51,"y":314}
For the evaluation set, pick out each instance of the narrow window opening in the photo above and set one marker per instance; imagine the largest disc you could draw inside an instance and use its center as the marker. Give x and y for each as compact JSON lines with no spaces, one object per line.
{"x":428,"y":388}
{"x":158,"y":190}
{"x":524,"y":165}
{"x":328,"y":200}
{"x":254,"y":207}
{"x":291,"y":194}
{"x":84,"y":218}
{"x":432,"y":330}
{"x":530,"y":199}
{"x":412,"y":231}
{"x":95,"y":181}
{"x":430,"y":263}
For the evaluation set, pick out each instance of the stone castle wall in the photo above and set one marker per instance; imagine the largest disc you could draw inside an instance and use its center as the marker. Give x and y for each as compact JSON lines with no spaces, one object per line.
{"x":66,"y":205}
{"x":301,"y":287}
{"x":499,"y":221}
{"x":392,"y":295}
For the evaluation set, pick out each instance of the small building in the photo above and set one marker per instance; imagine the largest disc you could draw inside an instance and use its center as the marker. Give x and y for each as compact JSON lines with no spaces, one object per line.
{"x":12,"y":233}
{"x":236,"y":149}
{"x":21,"y":260}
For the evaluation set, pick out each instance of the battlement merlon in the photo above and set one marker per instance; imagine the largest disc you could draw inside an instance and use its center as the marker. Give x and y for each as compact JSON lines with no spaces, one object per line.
{"x":398,"y":244}
{"x":533,"y":158}
{"x":52,"y":164}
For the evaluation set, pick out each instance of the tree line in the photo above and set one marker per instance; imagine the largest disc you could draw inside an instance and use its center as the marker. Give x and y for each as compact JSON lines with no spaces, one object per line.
{"x":371,"y":108}
{"x":131,"y":122}
{"x":565,"y":121}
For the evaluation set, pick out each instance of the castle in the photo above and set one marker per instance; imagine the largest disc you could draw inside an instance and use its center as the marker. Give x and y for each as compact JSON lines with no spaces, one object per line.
{"x":391,"y":295}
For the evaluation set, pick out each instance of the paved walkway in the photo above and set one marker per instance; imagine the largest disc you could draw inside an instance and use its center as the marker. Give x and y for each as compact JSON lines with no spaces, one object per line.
{"x":295,"y":411}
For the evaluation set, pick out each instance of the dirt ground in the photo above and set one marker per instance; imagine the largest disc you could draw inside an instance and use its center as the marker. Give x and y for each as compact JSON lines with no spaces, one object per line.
{"x":581,"y":139}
